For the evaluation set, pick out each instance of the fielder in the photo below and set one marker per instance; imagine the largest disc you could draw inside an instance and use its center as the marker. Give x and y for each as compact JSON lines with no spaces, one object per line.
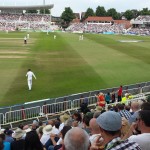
{"x":29,"y":76}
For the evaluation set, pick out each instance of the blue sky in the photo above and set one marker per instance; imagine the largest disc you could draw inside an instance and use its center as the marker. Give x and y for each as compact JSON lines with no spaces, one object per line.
{"x":79,"y":6}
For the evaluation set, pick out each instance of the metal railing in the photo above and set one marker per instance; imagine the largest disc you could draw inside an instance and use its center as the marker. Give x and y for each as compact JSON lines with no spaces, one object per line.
{"x":22,"y":114}
{"x":64,"y":104}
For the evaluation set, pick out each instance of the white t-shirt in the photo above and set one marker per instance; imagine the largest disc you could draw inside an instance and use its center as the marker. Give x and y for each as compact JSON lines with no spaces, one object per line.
{"x":93,"y":138}
{"x":142,"y":139}
{"x":30,"y":74}
{"x":45,"y":138}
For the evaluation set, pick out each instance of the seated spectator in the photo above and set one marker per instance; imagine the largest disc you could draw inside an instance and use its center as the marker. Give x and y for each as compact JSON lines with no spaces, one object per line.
{"x":46,"y":134}
{"x":143,"y":123}
{"x":76,"y":139}
{"x":77,"y":120}
{"x":54,"y":134}
{"x":8,"y":135}
{"x":63,"y":118}
{"x":86,"y":121}
{"x":135,"y":107}
{"x":96,"y":114}
{"x":110,"y":129}
{"x":123,"y":112}
{"x":95,"y":130}
{"x":58,"y":145}
{"x":32,"y":141}
{"x":6,"y":144}
{"x":19,"y":142}
{"x":125,"y":127}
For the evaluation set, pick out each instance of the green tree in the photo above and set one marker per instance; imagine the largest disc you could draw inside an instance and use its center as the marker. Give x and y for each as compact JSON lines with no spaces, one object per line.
{"x":135,"y":12}
{"x":100,"y":11}
{"x":113,"y":13}
{"x":129,"y":14}
{"x":88,"y":13}
{"x":145,"y":11}
{"x":67,"y":16}
{"x":45,"y":11}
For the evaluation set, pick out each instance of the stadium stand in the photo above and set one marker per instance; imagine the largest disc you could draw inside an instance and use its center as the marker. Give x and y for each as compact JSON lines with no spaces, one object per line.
{"x":141,"y":25}
{"x":100,"y":25}
{"x":23,"y":21}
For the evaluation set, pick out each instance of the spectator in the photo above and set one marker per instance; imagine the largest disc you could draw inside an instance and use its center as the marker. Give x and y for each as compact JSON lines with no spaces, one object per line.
{"x":84,"y":108}
{"x":58,"y":145}
{"x":46,"y":134}
{"x":135,"y":107}
{"x":100,"y":99}
{"x":96,"y":114}
{"x":19,"y":142}
{"x":32,"y":141}
{"x":120,"y":94}
{"x":76,"y":139}
{"x":123,"y":112}
{"x":107,"y":98}
{"x":143,"y":123}
{"x":110,"y":127}
{"x":95,"y":130}
{"x":86,"y":121}
{"x":63,"y":118}
{"x":6,"y":144}
{"x":125,"y":127}
{"x":113,"y":96}
{"x":8,"y":135}
{"x":77,"y":120}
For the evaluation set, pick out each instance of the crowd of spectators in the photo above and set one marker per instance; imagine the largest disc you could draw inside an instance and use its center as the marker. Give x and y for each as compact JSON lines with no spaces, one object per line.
{"x":143,"y":18}
{"x":25,"y":21}
{"x":113,"y":28}
{"x":139,"y":31}
{"x":96,"y":28}
{"x":118,"y":127}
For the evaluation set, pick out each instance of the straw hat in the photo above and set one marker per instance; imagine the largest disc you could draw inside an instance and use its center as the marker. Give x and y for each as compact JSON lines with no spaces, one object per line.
{"x":64,"y":117}
{"x":47,"y":129}
{"x":18,"y":133}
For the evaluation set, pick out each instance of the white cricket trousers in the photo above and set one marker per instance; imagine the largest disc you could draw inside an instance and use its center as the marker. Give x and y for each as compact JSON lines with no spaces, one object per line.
{"x":30,"y":84}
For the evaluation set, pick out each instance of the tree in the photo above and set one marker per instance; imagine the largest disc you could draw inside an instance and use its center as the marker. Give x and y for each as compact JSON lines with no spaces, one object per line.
{"x":145,"y":11}
{"x":45,"y":11}
{"x":100,"y":11}
{"x":113,"y":13}
{"x":129,"y":14}
{"x":135,"y":12}
{"x":67,"y":16}
{"x":88,"y":13}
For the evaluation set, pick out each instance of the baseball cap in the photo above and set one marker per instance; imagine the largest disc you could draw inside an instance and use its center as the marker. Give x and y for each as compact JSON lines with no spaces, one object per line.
{"x":109,"y":121}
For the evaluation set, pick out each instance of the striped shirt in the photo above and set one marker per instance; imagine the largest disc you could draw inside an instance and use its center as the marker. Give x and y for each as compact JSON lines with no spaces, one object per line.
{"x":125,"y":113}
{"x":117,"y":144}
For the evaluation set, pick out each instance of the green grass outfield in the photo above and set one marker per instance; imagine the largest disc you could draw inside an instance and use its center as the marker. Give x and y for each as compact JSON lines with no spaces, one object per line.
{"x":67,"y":66}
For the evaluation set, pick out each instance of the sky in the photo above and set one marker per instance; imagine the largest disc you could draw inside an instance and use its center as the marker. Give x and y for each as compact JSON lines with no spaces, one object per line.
{"x":79,"y":6}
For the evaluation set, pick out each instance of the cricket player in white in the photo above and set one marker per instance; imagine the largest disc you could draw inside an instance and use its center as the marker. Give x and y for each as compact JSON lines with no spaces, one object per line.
{"x":29,"y":76}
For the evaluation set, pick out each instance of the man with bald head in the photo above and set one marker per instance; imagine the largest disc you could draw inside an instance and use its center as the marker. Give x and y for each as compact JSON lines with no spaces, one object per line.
{"x":95,"y":130}
{"x":76,"y":139}
{"x":135,"y":107}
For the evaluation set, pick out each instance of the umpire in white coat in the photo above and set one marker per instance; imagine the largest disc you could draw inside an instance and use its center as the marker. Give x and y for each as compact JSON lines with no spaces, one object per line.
{"x":29,"y":76}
